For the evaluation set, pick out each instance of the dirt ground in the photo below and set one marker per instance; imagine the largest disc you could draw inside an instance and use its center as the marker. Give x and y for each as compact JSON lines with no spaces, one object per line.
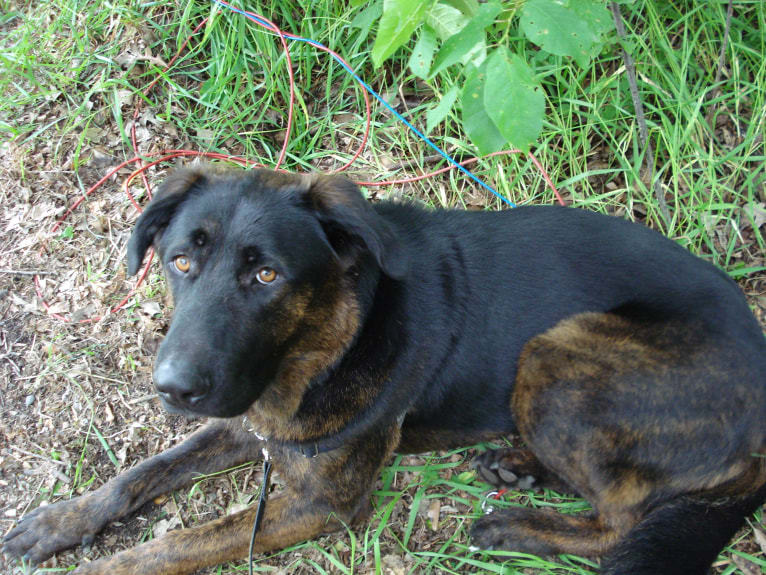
{"x":76,"y":399}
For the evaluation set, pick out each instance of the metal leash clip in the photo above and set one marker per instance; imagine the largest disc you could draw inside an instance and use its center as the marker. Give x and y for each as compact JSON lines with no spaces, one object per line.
{"x":487,"y":509}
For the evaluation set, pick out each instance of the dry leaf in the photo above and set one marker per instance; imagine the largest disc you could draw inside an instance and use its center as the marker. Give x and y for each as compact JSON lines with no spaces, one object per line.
{"x":151,"y":308}
{"x":433,"y":514}
{"x":758,"y":213}
{"x":746,"y":566}
{"x":760,"y":537}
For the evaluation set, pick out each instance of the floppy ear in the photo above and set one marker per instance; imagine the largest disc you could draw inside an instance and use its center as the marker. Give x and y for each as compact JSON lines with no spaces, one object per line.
{"x":159,"y":212}
{"x":349,"y":221}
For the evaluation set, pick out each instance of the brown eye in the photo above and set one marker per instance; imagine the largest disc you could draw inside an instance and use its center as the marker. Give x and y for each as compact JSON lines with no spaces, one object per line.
{"x":266,"y":275}
{"x":182,"y":264}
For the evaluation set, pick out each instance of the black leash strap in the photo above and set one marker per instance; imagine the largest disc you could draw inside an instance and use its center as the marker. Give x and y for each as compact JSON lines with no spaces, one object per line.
{"x":259,"y":511}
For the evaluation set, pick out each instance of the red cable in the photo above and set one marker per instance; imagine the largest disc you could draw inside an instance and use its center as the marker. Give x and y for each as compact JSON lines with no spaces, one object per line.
{"x":464,"y":163}
{"x":257,"y":18}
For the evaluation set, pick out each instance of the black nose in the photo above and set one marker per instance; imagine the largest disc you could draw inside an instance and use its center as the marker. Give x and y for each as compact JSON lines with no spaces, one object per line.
{"x":179,"y":384}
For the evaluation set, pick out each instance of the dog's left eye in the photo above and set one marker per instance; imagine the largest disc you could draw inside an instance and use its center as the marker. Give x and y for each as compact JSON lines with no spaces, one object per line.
{"x":182,"y":263}
{"x":266,"y":275}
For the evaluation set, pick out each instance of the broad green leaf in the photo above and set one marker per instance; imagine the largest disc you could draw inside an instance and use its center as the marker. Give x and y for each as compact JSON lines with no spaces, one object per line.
{"x":486,"y":15}
{"x":446,"y":20}
{"x":423,"y":53}
{"x":565,"y":28}
{"x":435,"y":116}
{"x":476,"y":121}
{"x":596,"y":15}
{"x":513,"y":98}
{"x":458,"y":46}
{"x":400,"y":19}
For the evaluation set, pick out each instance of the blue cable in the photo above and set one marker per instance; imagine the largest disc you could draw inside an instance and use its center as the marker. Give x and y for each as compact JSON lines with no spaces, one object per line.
{"x":379,"y":98}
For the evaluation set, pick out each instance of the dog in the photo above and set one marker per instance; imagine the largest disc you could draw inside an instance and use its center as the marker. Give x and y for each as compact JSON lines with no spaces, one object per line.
{"x":333,"y":332}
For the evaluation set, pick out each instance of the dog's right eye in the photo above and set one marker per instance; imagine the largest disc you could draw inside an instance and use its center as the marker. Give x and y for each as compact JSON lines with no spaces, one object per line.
{"x":182,"y":263}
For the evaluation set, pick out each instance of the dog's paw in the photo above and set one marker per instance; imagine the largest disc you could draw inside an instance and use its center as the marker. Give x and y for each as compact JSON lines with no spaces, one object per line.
{"x":509,"y":530}
{"x":511,"y":468}
{"x":52,"y":528}
{"x":507,"y":468}
{"x":490,"y":532}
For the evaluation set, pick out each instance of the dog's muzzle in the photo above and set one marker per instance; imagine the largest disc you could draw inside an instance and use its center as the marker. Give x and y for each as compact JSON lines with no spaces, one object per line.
{"x":179,"y":385}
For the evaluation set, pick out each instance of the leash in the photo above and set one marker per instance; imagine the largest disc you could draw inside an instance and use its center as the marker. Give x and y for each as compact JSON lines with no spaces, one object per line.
{"x":261,"y":508}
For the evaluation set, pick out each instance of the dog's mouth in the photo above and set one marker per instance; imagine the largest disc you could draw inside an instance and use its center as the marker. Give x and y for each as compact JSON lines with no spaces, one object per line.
{"x":178,"y":410}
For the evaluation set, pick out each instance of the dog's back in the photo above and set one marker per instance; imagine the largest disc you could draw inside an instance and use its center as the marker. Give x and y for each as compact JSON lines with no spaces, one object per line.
{"x":636,"y":373}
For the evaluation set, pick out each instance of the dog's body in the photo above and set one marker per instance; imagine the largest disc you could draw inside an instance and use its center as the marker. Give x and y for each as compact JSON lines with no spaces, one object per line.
{"x":634,"y":372}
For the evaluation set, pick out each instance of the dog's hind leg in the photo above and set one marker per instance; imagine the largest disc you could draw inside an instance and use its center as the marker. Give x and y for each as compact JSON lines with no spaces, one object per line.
{"x":64,"y":524}
{"x":681,"y":537}
{"x":658,"y":424}
{"x":544,"y":532}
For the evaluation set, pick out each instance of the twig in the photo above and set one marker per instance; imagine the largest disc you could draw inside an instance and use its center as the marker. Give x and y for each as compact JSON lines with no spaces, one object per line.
{"x":27,"y":272}
{"x":47,"y":459}
{"x":638,"y":107}
{"x":721,"y":61}
{"x":409,"y":164}
{"x":722,"y":53}
{"x":142,"y":399}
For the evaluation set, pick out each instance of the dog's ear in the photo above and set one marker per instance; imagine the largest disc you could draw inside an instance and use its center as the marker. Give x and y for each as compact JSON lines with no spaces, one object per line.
{"x":158,"y":213}
{"x":349,"y":220}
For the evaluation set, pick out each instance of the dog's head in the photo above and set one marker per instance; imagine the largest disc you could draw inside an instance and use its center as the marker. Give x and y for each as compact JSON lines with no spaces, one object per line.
{"x":263,"y":268}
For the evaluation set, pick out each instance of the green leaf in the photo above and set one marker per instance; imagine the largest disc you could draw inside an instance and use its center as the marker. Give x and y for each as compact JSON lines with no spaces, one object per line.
{"x":435,"y":116}
{"x":467,"y":7}
{"x":423,"y":53}
{"x":366,"y":17}
{"x":477,"y":123}
{"x":400,"y":19}
{"x":566,"y":28}
{"x":513,"y":98}
{"x":462,"y":43}
{"x":453,"y":50}
{"x":446,"y":20}
{"x":596,"y":15}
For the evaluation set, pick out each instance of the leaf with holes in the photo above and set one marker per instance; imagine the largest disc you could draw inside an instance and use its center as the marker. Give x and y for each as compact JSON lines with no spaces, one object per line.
{"x":400,"y":19}
{"x":513,"y":98}
{"x":566,"y":28}
{"x":477,"y":123}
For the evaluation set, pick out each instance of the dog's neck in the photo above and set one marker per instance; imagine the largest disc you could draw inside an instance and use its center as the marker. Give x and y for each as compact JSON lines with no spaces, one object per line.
{"x":284,"y":412}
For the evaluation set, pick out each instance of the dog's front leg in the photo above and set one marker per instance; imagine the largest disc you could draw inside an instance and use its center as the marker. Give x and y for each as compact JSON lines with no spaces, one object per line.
{"x":323,"y":493}
{"x":287,"y":520}
{"x":64,"y":524}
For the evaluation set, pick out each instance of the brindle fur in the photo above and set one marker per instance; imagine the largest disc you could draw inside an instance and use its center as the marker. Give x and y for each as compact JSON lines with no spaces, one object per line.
{"x":633,"y":371}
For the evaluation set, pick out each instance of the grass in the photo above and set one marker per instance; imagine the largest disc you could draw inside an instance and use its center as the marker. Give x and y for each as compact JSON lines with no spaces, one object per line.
{"x":73,"y":70}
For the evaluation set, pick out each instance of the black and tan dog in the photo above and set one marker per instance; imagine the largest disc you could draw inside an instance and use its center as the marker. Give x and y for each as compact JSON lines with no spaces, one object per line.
{"x":345,"y":331}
